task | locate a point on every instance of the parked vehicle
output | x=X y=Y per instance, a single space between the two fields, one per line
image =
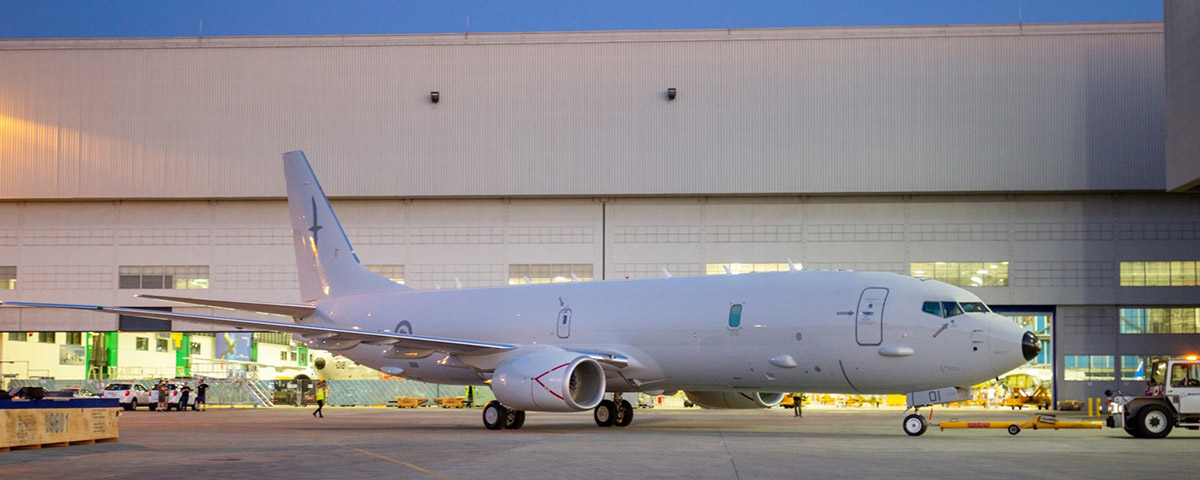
x=176 y=394
x=131 y=395
x=1172 y=399
x=72 y=392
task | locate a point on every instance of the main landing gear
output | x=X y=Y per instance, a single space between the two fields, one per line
x=496 y=417
x=915 y=424
x=617 y=412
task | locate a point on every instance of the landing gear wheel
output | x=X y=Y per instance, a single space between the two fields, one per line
x=915 y=425
x=1154 y=421
x=1014 y=429
x=624 y=414
x=606 y=413
x=514 y=419
x=494 y=415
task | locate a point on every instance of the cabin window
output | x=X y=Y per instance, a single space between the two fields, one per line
x=735 y=316
x=932 y=308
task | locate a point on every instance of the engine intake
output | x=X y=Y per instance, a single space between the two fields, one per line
x=735 y=400
x=551 y=381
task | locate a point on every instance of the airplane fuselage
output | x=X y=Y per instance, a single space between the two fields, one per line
x=845 y=332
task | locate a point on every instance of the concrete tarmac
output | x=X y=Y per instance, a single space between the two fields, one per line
x=384 y=443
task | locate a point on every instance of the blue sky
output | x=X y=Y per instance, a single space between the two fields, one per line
x=157 y=18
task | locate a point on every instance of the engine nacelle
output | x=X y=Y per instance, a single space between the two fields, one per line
x=738 y=400
x=551 y=381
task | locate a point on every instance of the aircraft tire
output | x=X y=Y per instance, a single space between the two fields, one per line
x=915 y=425
x=1154 y=421
x=605 y=413
x=514 y=419
x=494 y=415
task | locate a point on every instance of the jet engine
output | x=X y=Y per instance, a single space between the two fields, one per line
x=552 y=380
x=739 y=400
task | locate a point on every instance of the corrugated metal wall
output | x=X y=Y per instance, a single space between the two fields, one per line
x=1182 y=25
x=947 y=109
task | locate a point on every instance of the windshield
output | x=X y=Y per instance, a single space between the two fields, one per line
x=1159 y=373
x=117 y=386
x=975 y=307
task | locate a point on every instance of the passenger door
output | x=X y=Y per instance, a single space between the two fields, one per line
x=868 y=320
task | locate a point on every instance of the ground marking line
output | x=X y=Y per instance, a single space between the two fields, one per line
x=381 y=457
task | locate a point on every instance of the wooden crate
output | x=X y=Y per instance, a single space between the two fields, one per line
x=57 y=425
x=91 y=425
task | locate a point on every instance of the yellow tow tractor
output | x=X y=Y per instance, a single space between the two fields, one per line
x=1039 y=422
x=1020 y=383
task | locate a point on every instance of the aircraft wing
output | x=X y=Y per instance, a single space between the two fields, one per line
x=285 y=309
x=415 y=342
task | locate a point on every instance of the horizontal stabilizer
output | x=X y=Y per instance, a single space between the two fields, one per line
x=412 y=342
x=285 y=309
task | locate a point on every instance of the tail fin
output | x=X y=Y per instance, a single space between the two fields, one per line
x=325 y=260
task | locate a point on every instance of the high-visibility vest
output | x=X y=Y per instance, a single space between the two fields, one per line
x=320 y=393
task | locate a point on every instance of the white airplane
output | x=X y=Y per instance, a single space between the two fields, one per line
x=730 y=341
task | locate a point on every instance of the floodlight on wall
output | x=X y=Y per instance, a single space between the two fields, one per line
x=671 y=93
x=434 y=97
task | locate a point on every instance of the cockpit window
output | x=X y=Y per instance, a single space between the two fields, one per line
x=950 y=309
x=975 y=307
x=932 y=308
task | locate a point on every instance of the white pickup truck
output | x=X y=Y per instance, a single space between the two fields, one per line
x=1172 y=399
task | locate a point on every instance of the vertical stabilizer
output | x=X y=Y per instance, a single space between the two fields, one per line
x=325 y=260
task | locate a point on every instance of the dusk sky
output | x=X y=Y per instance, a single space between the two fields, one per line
x=161 y=18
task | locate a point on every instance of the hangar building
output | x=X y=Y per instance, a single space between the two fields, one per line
x=1028 y=163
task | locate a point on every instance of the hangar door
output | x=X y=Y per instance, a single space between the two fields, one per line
x=868 y=322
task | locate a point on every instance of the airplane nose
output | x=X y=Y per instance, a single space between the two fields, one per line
x=1030 y=346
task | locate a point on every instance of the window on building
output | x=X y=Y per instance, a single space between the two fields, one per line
x=1159 y=274
x=1159 y=320
x=292 y=356
x=548 y=272
x=178 y=277
x=195 y=349
x=1088 y=367
x=283 y=355
x=161 y=345
x=738 y=268
x=1136 y=367
x=74 y=338
x=47 y=337
x=274 y=338
x=18 y=336
x=143 y=344
x=963 y=274
x=394 y=273
x=8 y=278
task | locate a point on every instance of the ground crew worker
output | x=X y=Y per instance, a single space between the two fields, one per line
x=322 y=391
